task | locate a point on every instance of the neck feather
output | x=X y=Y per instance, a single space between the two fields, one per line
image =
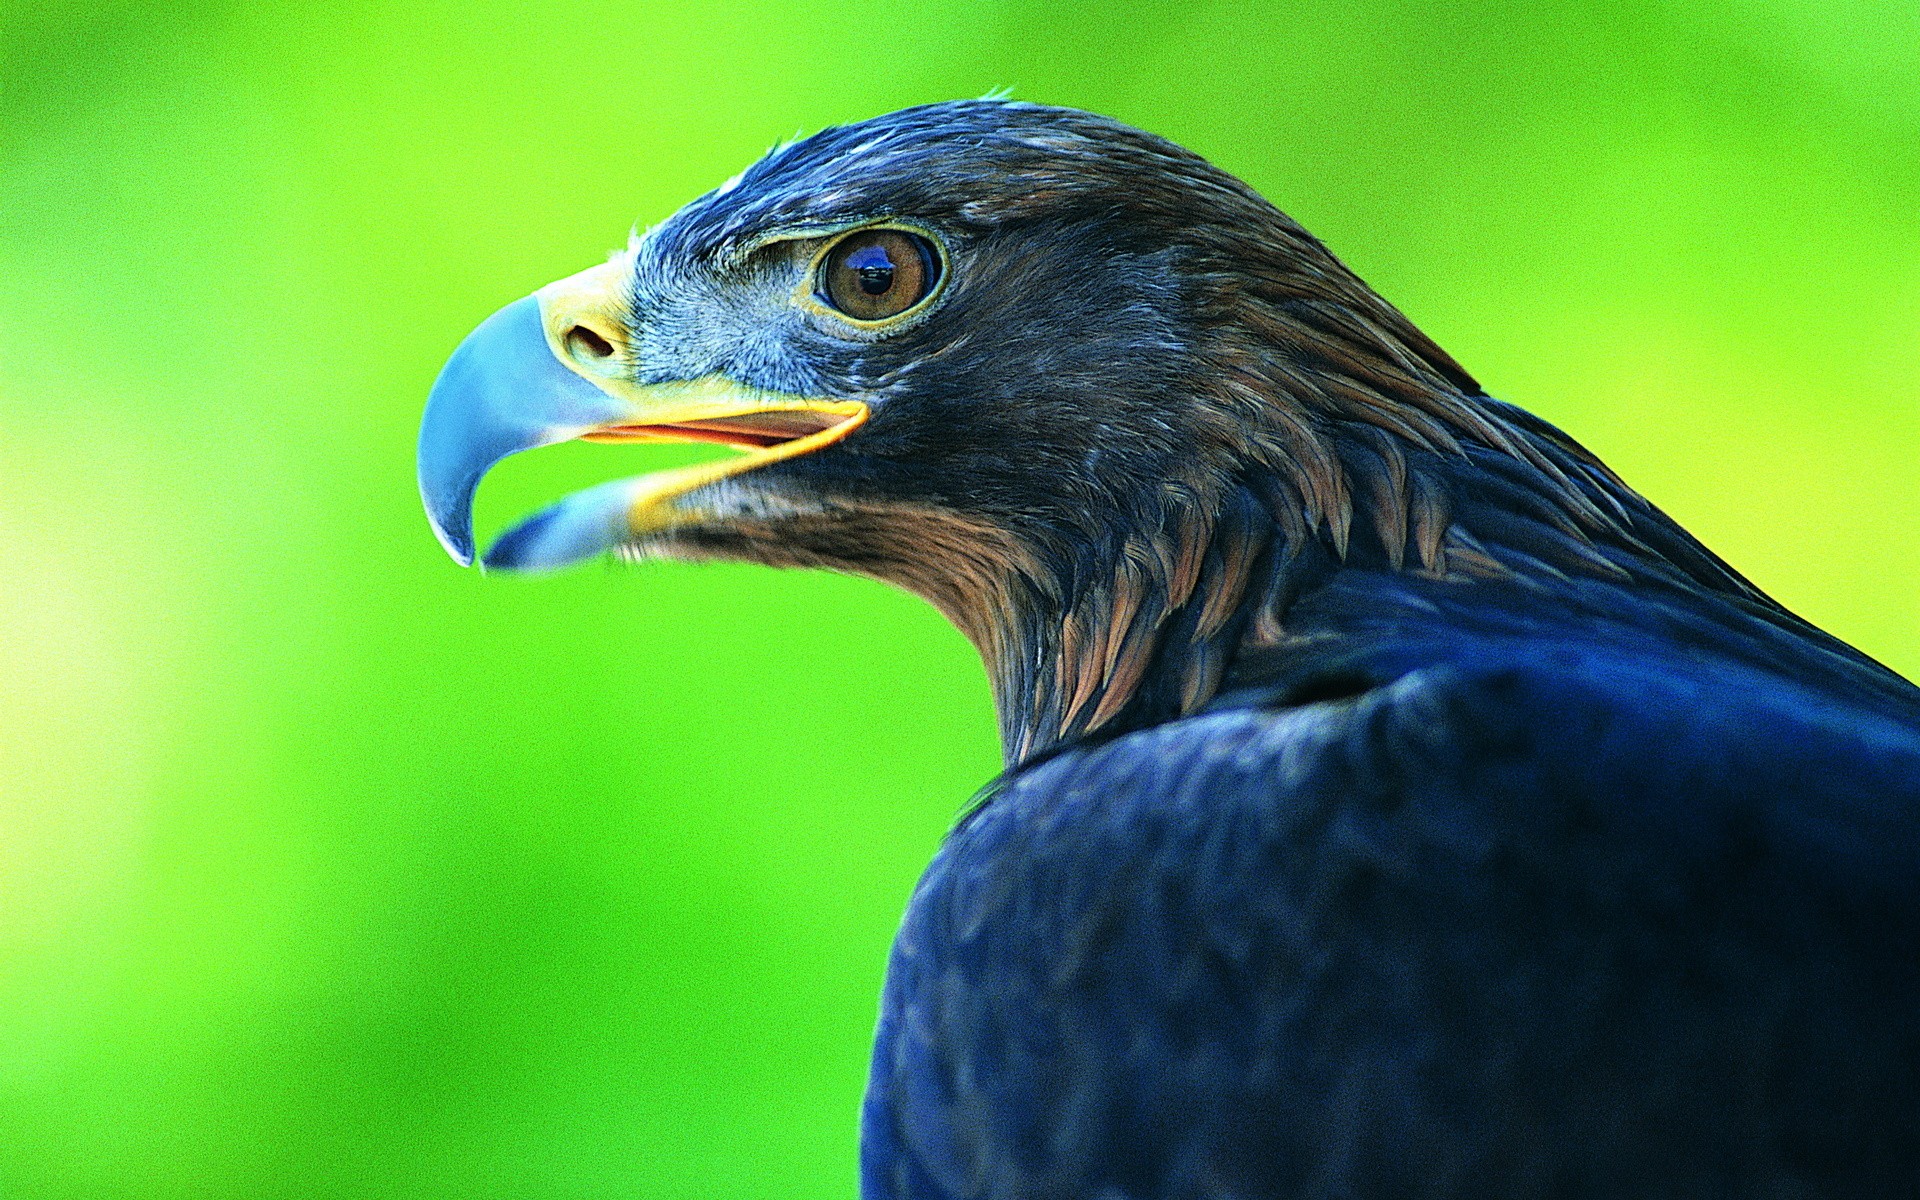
x=1326 y=434
x=1139 y=619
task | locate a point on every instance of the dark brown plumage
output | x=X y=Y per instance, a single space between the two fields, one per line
x=1397 y=804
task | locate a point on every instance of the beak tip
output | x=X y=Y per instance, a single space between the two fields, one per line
x=451 y=518
x=517 y=549
x=502 y=391
x=539 y=543
x=582 y=526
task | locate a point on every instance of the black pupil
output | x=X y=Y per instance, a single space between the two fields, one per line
x=873 y=268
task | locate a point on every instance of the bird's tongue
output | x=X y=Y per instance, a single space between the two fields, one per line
x=747 y=430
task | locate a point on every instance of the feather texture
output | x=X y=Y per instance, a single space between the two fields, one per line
x=1397 y=804
x=1462 y=912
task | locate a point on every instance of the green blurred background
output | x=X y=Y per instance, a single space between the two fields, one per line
x=329 y=870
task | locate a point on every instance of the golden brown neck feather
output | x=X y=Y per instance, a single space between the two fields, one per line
x=1068 y=659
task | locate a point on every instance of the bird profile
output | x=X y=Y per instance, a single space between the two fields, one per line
x=1396 y=803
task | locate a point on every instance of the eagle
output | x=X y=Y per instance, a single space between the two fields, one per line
x=1396 y=804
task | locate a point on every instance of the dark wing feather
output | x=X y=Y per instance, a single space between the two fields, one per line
x=1536 y=918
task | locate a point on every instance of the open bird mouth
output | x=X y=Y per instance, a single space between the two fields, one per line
x=615 y=514
x=508 y=388
x=763 y=435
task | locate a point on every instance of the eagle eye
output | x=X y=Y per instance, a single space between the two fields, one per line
x=874 y=274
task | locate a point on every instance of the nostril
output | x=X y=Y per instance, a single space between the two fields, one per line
x=585 y=343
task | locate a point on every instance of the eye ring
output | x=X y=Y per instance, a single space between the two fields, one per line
x=875 y=275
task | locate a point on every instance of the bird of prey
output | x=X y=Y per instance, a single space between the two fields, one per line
x=1396 y=804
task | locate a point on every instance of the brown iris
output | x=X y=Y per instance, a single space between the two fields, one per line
x=879 y=273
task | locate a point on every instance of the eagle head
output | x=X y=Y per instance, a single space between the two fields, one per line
x=1092 y=396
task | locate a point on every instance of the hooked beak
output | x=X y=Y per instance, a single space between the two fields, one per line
x=555 y=366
